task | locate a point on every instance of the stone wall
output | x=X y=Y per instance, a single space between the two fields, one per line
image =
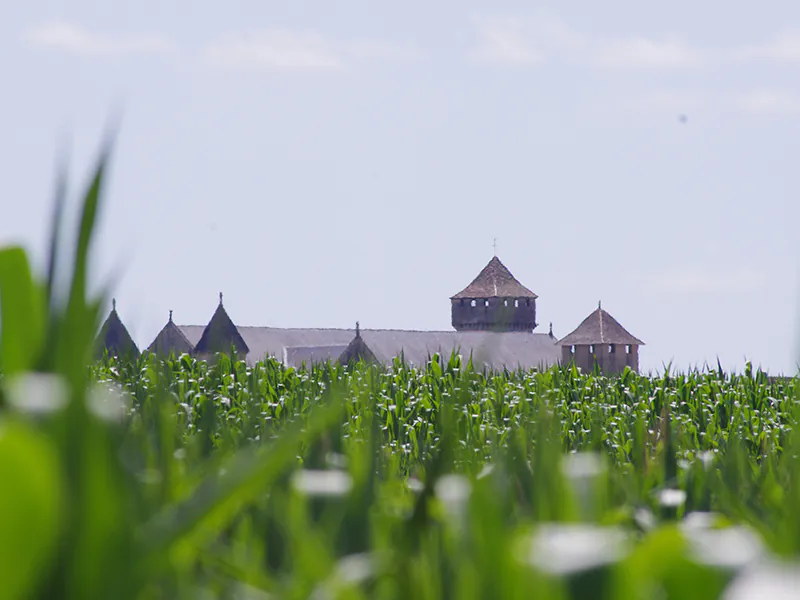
x=494 y=314
x=611 y=358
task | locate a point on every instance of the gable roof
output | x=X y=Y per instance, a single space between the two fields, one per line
x=114 y=336
x=489 y=348
x=357 y=350
x=495 y=281
x=170 y=340
x=220 y=334
x=600 y=328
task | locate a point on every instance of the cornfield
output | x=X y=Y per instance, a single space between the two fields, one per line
x=176 y=478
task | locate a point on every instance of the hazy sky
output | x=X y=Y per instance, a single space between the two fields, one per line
x=322 y=163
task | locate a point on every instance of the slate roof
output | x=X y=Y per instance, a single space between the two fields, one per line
x=495 y=281
x=494 y=349
x=170 y=340
x=114 y=337
x=297 y=355
x=219 y=334
x=600 y=328
x=357 y=351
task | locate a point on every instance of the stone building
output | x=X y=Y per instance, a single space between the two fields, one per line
x=601 y=339
x=493 y=321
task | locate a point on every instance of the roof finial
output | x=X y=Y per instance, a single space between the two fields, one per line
x=220 y=298
x=494 y=246
x=551 y=329
x=358 y=329
x=170 y=315
x=599 y=305
x=114 y=304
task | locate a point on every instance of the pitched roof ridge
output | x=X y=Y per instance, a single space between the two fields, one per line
x=221 y=317
x=602 y=337
x=170 y=328
x=171 y=324
x=600 y=327
x=114 y=327
x=357 y=349
x=379 y=329
x=495 y=280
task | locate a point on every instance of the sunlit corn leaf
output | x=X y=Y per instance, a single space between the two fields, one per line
x=22 y=313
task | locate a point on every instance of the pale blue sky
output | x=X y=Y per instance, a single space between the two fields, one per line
x=322 y=163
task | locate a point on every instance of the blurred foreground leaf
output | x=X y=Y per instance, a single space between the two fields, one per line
x=21 y=312
x=30 y=507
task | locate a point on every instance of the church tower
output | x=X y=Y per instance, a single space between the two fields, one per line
x=494 y=301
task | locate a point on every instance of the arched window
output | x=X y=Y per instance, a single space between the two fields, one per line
x=591 y=348
x=516 y=303
x=486 y=303
x=473 y=303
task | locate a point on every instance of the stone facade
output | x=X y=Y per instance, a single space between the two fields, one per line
x=611 y=358
x=493 y=314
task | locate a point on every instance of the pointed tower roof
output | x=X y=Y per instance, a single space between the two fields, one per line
x=114 y=336
x=220 y=333
x=600 y=328
x=170 y=340
x=357 y=350
x=495 y=281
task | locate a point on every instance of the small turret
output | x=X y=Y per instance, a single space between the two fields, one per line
x=602 y=340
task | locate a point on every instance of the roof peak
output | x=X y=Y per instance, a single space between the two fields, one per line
x=114 y=336
x=220 y=330
x=495 y=281
x=600 y=328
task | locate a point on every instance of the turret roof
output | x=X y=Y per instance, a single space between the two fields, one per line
x=600 y=328
x=495 y=281
x=114 y=336
x=357 y=350
x=171 y=340
x=220 y=331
